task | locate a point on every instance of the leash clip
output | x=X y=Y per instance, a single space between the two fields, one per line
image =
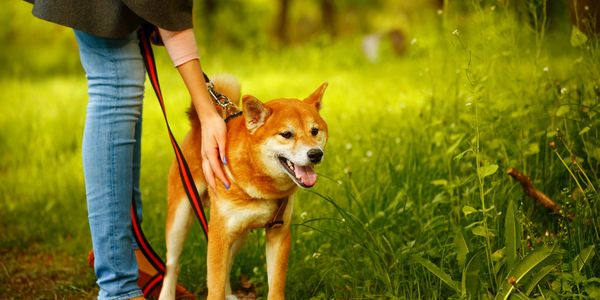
x=228 y=109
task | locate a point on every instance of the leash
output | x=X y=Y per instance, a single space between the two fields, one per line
x=187 y=180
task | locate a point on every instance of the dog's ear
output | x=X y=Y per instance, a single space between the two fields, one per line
x=255 y=112
x=316 y=97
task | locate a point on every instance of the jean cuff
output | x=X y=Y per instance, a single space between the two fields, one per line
x=127 y=296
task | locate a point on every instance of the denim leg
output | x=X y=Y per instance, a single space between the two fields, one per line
x=111 y=150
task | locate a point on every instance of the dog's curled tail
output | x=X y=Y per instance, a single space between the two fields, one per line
x=225 y=84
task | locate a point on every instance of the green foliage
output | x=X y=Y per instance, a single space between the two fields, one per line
x=544 y=258
x=413 y=201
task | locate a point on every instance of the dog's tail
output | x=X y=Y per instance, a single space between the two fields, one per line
x=225 y=84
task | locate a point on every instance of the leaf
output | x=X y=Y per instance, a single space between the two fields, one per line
x=512 y=238
x=439 y=273
x=470 y=276
x=440 y=182
x=537 y=278
x=462 y=248
x=467 y=210
x=486 y=170
x=542 y=257
x=533 y=149
x=593 y=291
x=563 y=110
x=454 y=146
x=584 y=130
x=498 y=255
x=578 y=38
x=459 y=156
x=482 y=231
x=583 y=258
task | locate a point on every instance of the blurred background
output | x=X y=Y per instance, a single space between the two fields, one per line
x=430 y=103
x=258 y=26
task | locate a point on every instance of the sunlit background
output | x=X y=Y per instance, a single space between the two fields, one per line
x=429 y=105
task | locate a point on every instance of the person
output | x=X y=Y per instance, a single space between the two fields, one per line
x=105 y=32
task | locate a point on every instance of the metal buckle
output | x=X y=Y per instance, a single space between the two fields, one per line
x=228 y=109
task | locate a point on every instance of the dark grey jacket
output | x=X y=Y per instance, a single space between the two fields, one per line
x=115 y=18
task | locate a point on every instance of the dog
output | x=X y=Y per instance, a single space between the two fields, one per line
x=272 y=149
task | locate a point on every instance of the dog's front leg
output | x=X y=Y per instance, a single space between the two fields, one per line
x=217 y=262
x=278 y=249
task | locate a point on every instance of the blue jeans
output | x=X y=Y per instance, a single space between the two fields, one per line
x=111 y=157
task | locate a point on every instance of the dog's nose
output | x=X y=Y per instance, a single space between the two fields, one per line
x=315 y=155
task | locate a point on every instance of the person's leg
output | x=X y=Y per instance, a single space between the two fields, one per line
x=115 y=73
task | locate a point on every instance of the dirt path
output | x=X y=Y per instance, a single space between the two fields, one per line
x=32 y=273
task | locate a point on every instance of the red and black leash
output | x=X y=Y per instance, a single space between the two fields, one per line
x=184 y=171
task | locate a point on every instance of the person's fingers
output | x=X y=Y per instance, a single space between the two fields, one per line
x=208 y=173
x=222 y=144
x=215 y=165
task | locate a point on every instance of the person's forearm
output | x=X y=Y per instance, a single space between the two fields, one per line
x=192 y=75
x=181 y=46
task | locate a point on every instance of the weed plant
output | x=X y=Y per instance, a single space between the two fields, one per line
x=413 y=200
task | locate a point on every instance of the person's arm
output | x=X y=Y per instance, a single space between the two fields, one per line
x=181 y=46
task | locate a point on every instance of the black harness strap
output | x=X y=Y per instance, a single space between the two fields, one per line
x=277 y=220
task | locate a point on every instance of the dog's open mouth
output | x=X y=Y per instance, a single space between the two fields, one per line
x=304 y=176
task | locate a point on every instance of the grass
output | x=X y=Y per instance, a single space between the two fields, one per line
x=412 y=201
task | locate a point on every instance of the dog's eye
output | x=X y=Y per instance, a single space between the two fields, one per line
x=286 y=134
x=314 y=131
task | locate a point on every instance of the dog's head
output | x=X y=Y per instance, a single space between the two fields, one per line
x=290 y=136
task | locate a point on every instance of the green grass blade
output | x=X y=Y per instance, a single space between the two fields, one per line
x=535 y=280
x=439 y=273
x=540 y=258
x=583 y=258
x=462 y=248
x=512 y=237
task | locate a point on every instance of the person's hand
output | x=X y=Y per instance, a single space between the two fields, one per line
x=214 y=133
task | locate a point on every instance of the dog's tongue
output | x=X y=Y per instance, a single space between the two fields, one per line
x=306 y=175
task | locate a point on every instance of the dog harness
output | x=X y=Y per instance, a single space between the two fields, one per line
x=277 y=220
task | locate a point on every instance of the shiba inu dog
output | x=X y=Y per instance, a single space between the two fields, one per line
x=271 y=151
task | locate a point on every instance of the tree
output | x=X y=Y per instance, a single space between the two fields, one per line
x=281 y=26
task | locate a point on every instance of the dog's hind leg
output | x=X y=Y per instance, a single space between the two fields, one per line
x=177 y=229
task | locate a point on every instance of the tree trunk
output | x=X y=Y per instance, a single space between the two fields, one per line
x=329 y=15
x=281 y=30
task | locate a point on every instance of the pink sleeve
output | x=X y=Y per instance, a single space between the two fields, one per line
x=181 y=45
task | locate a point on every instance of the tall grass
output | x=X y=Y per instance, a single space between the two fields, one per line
x=412 y=201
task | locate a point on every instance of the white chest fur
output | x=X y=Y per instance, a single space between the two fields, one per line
x=243 y=216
